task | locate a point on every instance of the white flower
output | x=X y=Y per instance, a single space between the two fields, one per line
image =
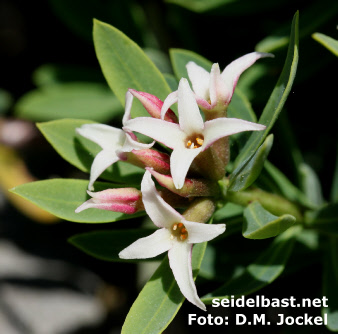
x=214 y=90
x=176 y=235
x=113 y=141
x=191 y=136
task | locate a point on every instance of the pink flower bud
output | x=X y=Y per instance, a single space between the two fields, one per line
x=153 y=105
x=191 y=187
x=125 y=200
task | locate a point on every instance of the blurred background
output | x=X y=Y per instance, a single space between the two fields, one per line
x=49 y=70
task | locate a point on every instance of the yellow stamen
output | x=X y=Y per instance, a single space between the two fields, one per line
x=175 y=227
x=189 y=143
x=183 y=236
x=199 y=141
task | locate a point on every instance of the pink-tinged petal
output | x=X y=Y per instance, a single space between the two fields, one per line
x=190 y=119
x=218 y=90
x=116 y=207
x=106 y=136
x=168 y=102
x=200 y=80
x=180 y=264
x=160 y=212
x=198 y=232
x=222 y=127
x=131 y=144
x=148 y=247
x=203 y=103
x=166 y=133
x=153 y=105
x=127 y=108
x=232 y=72
x=180 y=161
x=102 y=161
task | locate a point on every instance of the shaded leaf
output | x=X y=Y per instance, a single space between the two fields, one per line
x=107 y=244
x=274 y=104
x=252 y=169
x=261 y=224
x=80 y=151
x=62 y=196
x=327 y=41
x=267 y=267
x=69 y=100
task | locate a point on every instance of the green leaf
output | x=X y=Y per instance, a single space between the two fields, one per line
x=80 y=151
x=239 y=107
x=330 y=284
x=252 y=169
x=62 y=196
x=261 y=224
x=6 y=101
x=125 y=65
x=107 y=244
x=311 y=185
x=313 y=16
x=160 y=299
x=275 y=103
x=327 y=41
x=334 y=189
x=267 y=267
x=324 y=220
x=69 y=100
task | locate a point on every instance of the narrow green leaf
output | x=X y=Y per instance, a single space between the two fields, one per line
x=69 y=100
x=62 y=196
x=80 y=151
x=327 y=41
x=252 y=168
x=330 y=284
x=261 y=224
x=311 y=185
x=324 y=220
x=160 y=299
x=274 y=104
x=267 y=267
x=107 y=244
x=334 y=189
x=239 y=107
x=125 y=65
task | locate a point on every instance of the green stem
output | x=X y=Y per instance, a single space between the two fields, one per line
x=275 y=204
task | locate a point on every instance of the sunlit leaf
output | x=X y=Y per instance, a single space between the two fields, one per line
x=327 y=41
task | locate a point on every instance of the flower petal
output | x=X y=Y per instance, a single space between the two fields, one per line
x=198 y=232
x=200 y=79
x=147 y=247
x=168 y=102
x=102 y=161
x=218 y=90
x=159 y=211
x=106 y=136
x=222 y=127
x=166 y=133
x=180 y=161
x=130 y=144
x=180 y=263
x=127 y=108
x=189 y=115
x=233 y=71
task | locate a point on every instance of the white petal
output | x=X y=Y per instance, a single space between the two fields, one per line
x=180 y=161
x=189 y=115
x=102 y=161
x=127 y=108
x=218 y=90
x=131 y=144
x=200 y=80
x=166 y=133
x=168 y=102
x=180 y=264
x=147 y=247
x=222 y=127
x=106 y=136
x=159 y=211
x=198 y=232
x=232 y=72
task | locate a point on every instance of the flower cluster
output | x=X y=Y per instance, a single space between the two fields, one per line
x=191 y=171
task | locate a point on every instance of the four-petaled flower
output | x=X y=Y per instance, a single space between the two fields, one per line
x=214 y=90
x=113 y=141
x=191 y=136
x=176 y=235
